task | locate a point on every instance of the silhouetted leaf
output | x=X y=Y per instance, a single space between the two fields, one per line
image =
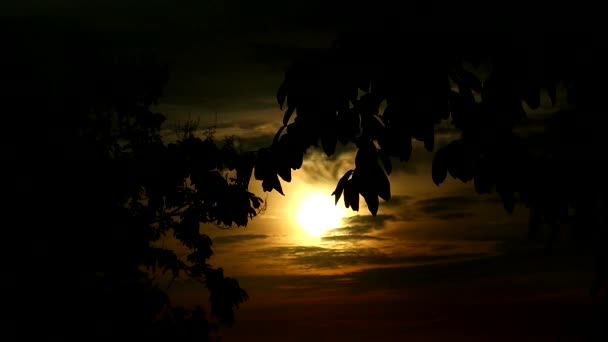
x=285 y=172
x=329 y=141
x=351 y=195
x=272 y=182
x=383 y=186
x=278 y=135
x=367 y=155
x=429 y=140
x=386 y=161
x=282 y=94
x=439 y=168
x=406 y=150
x=372 y=202
x=483 y=178
x=263 y=164
x=341 y=185
x=287 y=115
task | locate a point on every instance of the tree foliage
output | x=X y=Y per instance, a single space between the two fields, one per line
x=113 y=190
x=384 y=89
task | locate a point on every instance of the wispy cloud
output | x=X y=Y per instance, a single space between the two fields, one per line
x=358 y=228
x=351 y=237
x=398 y=201
x=232 y=239
x=369 y=220
x=333 y=258
x=454 y=215
x=320 y=169
x=446 y=203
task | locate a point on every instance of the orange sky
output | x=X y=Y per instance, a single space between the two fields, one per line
x=436 y=263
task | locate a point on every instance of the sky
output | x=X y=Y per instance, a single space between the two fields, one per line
x=435 y=263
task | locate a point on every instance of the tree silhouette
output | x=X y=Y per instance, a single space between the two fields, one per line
x=381 y=90
x=111 y=190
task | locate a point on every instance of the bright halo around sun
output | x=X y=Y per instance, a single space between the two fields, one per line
x=318 y=213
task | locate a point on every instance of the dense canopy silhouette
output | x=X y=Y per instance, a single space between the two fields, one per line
x=382 y=90
x=113 y=191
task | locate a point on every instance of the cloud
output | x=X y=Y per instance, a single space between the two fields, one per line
x=440 y=204
x=320 y=169
x=352 y=230
x=358 y=228
x=351 y=237
x=448 y=207
x=230 y=239
x=454 y=216
x=398 y=201
x=369 y=220
x=274 y=252
x=331 y=258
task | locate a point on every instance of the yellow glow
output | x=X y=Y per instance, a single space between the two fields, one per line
x=317 y=213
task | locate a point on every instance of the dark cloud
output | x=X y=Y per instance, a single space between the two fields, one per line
x=351 y=238
x=274 y=252
x=323 y=258
x=448 y=207
x=256 y=142
x=454 y=216
x=410 y=167
x=353 y=230
x=447 y=203
x=508 y=227
x=230 y=239
x=398 y=201
x=358 y=228
x=369 y=220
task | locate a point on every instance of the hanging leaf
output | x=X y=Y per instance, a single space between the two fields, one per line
x=367 y=154
x=439 y=168
x=278 y=135
x=429 y=138
x=386 y=162
x=329 y=141
x=284 y=171
x=383 y=186
x=341 y=185
x=406 y=149
x=287 y=116
x=272 y=182
x=371 y=199
x=263 y=164
x=282 y=94
x=351 y=195
x=244 y=169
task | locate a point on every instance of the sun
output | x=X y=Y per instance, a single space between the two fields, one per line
x=318 y=213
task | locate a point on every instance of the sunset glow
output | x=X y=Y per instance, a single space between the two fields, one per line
x=317 y=213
